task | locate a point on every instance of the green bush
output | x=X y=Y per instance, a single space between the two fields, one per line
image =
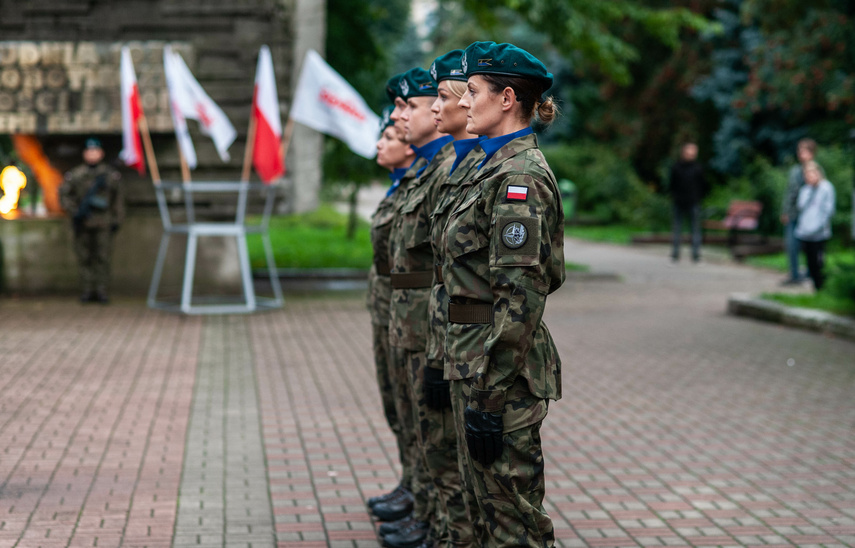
x=760 y=181
x=840 y=281
x=837 y=163
x=608 y=190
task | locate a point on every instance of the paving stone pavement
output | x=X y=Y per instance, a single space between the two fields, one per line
x=679 y=426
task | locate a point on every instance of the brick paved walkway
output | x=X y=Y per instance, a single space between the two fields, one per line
x=680 y=426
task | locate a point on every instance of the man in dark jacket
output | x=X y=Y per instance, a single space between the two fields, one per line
x=687 y=185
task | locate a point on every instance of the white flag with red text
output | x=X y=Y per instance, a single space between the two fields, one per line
x=132 y=151
x=188 y=100
x=324 y=101
x=267 y=148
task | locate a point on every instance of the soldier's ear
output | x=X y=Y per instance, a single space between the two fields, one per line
x=409 y=152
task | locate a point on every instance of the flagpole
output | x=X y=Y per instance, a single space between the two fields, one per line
x=142 y=125
x=250 y=145
x=286 y=136
x=185 y=169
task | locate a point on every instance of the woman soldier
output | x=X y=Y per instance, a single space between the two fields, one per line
x=395 y=155
x=502 y=254
x=413 y=261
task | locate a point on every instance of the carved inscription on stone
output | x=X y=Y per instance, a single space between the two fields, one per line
x=73 y=87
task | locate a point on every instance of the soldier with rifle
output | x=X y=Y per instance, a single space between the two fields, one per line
x=92 y=195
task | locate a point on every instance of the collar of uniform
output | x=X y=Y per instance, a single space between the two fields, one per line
x=462 y=147
x=430 y=150
x=491 y=146
x=396 y=176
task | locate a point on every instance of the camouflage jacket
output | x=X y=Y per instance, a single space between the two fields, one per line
x=410 y=253
x=106 y=207
x=504 y=247
x=379 y=286
x=447 y=194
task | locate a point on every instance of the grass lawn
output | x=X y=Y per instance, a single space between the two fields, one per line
x=816 y=301
x=615 y=234
x=313 y=240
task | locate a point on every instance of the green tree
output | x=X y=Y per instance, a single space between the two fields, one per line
x=589 y=32
x=360 y=34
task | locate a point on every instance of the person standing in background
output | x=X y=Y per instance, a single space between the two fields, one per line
x=688 y=186
x=93 y=197
x=813 y=229
x=805 y=152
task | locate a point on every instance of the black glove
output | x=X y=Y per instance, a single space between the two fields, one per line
x=114 y=228
x=483 y=435
x=437 y=390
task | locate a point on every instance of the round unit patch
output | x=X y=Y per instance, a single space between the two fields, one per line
x=514 y=235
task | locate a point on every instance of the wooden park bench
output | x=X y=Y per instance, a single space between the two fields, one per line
x=742 y=217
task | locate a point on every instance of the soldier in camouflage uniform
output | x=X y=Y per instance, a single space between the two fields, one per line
x=501 y=256
x=395 y=155
x=403 y=509
x=412 y=274
x=412 y=277
x=92 y=195
x=464 y=526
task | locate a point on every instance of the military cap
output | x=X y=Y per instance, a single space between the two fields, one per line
x=392 y=89
x=447 y=67
x=504 y=60
x=416 y=82
x=92 y=142
x=386 y=118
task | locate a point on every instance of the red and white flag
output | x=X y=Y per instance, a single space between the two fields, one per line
x=324 y=101
x=189 y=101
x=132 y=151
x=267 y=148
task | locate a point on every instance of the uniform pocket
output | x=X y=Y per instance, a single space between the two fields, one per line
x=464 y=349
x=465 y=233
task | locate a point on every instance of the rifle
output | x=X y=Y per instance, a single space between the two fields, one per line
x=86 y=205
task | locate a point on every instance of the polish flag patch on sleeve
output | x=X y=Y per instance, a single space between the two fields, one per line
x=517 y=192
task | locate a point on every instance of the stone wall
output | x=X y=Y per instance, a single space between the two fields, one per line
x=64 y=56
x=72 y=89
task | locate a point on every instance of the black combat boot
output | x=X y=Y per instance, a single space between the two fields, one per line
x=395 y=526
x=410 y=537
x=395 y=508
x=383 y=498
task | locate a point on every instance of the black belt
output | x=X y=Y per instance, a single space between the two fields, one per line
x=437 y=273
x=412 y=280
x=470 y=313
x=382 y=269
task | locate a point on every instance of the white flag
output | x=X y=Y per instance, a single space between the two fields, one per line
x=189 y=100
x=324 y=101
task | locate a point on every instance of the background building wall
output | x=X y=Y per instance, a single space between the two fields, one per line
x=219 y=40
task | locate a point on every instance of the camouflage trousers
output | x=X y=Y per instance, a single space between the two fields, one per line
x=389 y=396
x=420 y=483
x=506 y=498
x=437 y=439
x=93 y=248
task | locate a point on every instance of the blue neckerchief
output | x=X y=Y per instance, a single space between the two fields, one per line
x=491 y=146
x=396 y=176
x=429 y=150
x=462 y=147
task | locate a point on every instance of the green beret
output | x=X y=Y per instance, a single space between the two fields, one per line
x=392 y=87
x=504 y=60
x=92 y=142
x=447 y=67
x=416 y=82
x=386 y=118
